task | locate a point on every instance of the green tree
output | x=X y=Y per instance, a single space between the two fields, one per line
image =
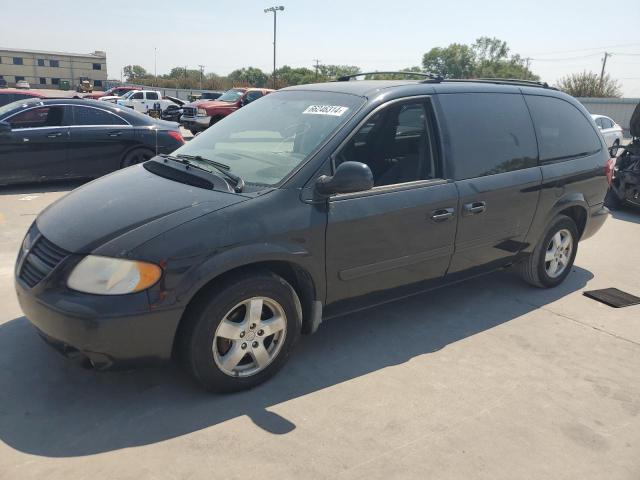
x=134 y=72
x=492 y=60
x=330 y=72
x=251 y=76
x=588 y=84
x=454 y=61
x=287 y=75
x=487 y=57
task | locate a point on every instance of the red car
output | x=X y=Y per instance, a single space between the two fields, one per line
x=119 y=91
x=11 y=95
x=200 y=115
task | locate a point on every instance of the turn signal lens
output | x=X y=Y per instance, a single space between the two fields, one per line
x=113 y=276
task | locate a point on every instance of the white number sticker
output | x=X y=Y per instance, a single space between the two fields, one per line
x=333 y=110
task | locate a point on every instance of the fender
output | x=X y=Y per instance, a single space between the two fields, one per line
x=238 y=256
x=545 y=214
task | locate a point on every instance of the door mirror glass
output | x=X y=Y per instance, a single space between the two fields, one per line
x=349 y=177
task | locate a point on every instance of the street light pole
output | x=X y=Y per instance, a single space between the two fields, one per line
x=155 y=64
x=275 y=11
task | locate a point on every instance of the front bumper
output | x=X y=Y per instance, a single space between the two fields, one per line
x=107 y=332
x=197 y=123
x=597 y=216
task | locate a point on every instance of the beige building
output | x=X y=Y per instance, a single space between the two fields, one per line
x=46 y=69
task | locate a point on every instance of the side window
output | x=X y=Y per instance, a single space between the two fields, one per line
x=94 y=116
x=38 y=117
x=563 y=131
x=606 y=123
x=489 y=133
x=396 y=144
x=54 y=63
x=599 y=122
x=137 y=96
x=253 y=95
x=152 y=96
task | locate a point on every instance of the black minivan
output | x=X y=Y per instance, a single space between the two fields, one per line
x=314 y=201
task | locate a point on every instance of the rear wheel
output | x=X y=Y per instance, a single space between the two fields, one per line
x=239 y=336
x=553 y=257
x=136 y=156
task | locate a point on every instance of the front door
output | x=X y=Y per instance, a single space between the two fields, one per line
x=37 y=147
x=397 y=237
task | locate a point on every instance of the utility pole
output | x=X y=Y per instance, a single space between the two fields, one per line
x=201 y=74
x=317 y=67
x=604 y=63
x=155 y=64
x=185 y=77
x=275 y=11
x=526 y=73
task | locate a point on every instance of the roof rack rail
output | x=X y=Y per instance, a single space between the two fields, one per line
x=429 y=76
x=504 y=81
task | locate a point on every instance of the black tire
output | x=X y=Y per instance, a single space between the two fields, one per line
x=197 y=334
x=533 y=268
x=135 y=156
x=194 y=132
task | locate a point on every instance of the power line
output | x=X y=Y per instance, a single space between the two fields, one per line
x=587 y=49
x=565 y=58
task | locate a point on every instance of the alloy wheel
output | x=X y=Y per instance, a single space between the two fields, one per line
x=558 y=254
x=249 y=337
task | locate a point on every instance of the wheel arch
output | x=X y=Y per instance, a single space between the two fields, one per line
x=293 y=273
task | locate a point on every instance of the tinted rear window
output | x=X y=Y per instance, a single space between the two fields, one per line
x=563 y=131
x=489 y=133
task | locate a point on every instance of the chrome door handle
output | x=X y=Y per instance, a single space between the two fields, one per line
x=474 y=208
x=442 y=214
x=54 y=135
x=114 y=134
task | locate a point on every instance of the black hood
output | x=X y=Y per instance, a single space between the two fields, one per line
x=122 y=210
x=634 y=124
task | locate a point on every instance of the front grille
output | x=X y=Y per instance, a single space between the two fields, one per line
x=189 y=111
x=40 y=261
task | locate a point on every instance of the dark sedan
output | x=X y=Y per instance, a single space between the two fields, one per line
x=67 y=138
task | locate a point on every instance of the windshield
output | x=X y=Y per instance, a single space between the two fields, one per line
x=264 y=141
x=230 y=96
x=128 y=94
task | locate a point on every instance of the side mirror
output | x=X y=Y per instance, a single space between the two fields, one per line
x=5 y=130
x=349 y=177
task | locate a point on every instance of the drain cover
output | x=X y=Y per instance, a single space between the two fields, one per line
x=613 y=297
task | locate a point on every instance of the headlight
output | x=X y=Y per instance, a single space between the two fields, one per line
x=202 y=112
x=112 y=276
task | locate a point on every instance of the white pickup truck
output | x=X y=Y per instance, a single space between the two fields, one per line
x=143 y=100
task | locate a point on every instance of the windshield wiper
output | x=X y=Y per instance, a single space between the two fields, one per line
x=238 y=183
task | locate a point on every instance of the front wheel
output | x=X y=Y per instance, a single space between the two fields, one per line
x=553 y=257
x=240 y=335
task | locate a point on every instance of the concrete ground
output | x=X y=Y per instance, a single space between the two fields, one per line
x=490 y=379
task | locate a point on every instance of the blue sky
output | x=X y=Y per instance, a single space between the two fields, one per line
x=560 y=36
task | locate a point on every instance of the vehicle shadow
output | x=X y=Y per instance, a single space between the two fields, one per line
x=31 y=188
x=51 y=407
x=628 y=213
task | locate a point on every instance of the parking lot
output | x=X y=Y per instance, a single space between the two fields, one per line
x=488 y=379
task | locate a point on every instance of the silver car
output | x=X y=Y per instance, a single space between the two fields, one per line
x=611 y=131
